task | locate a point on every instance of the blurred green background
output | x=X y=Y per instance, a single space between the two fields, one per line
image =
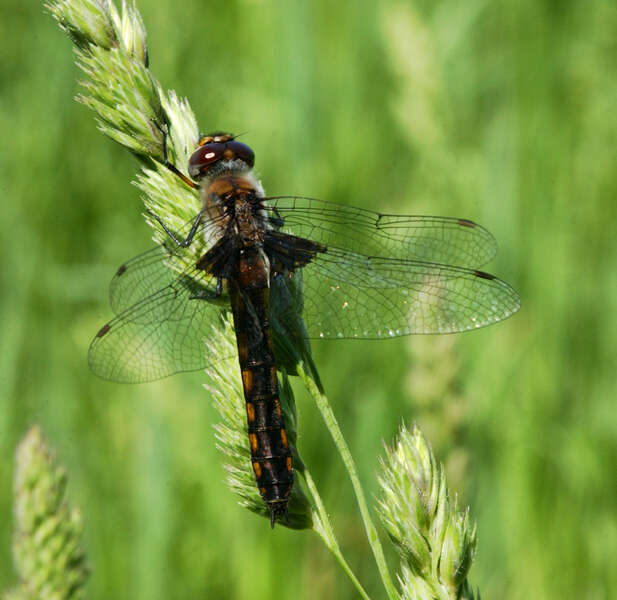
x=501 y=112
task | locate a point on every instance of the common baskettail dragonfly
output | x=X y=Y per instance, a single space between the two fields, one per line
x=363 y=274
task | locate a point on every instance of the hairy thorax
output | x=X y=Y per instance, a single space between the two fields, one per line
x=234 y=202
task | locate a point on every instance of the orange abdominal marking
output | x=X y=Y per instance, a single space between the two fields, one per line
x=284 y=438
x=247 y=379
x=288 y=464
x=254 y=442
x=242 y=348
x=257 y=469
x=250 y=412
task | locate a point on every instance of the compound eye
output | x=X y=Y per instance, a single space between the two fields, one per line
x=242 y=151
x=204 y=157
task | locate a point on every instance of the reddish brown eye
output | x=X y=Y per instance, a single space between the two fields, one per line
x=242 y=151
x=204 y=156
x=214 y=148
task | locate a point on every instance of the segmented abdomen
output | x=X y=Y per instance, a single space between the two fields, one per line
x=270 y=453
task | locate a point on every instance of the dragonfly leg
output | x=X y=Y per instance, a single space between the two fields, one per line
x=168 y=164
x=208 y=295
x=174 y=236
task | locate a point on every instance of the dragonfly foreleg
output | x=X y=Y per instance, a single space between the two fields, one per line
x=168 y=164
x=174 y=236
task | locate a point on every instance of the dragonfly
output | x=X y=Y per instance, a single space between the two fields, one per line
x=360 y=274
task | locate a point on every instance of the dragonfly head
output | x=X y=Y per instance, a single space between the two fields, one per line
x=217 y=148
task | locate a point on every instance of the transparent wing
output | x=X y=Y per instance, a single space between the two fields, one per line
x=162 y=334
x=159 y=267
x=348 y=295
x=379 y=276
x=424 y=238
x=142 y=276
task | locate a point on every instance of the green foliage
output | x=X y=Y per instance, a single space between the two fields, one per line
x=436 y=541
x=47 y=540
x=499 y=112
x=112 y=52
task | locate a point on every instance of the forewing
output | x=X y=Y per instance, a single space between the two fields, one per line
x=347 y=295
x=142 y=276
x=161 y=335
x=424 y=238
